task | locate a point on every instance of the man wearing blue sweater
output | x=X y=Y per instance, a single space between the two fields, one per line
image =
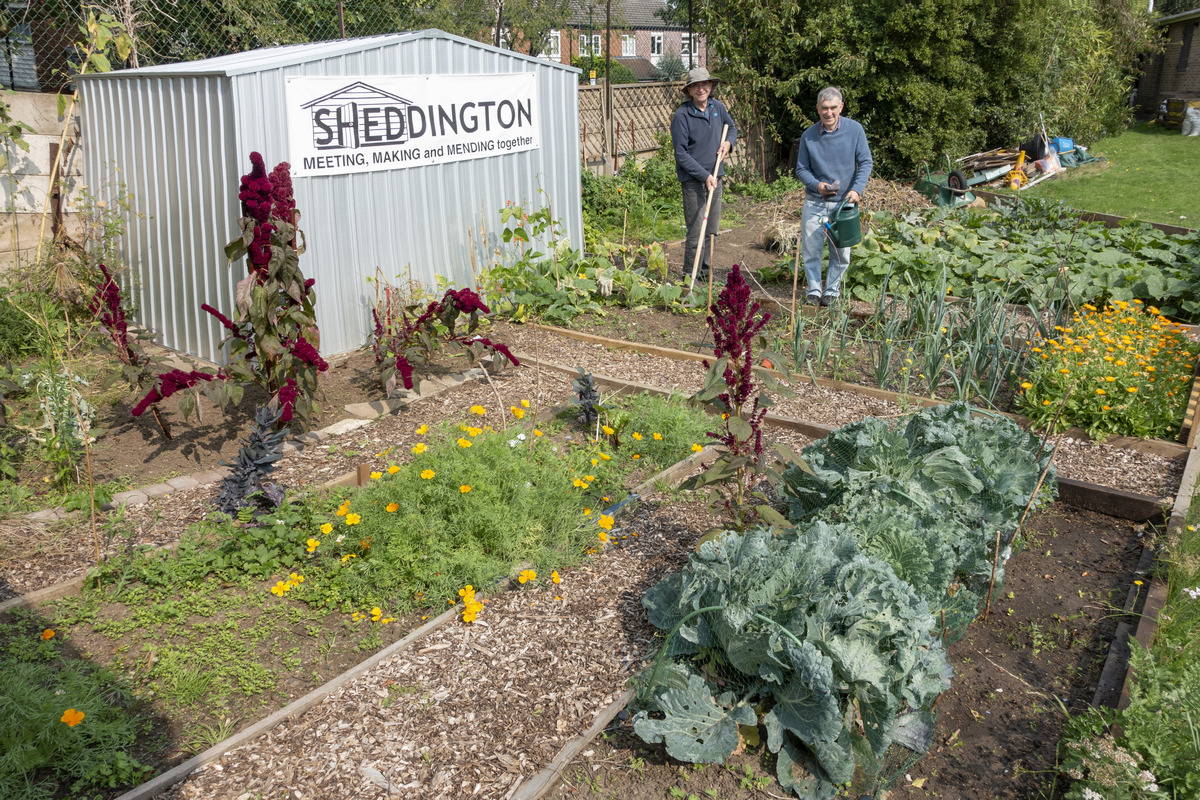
x=696 y=136
x=833 y=162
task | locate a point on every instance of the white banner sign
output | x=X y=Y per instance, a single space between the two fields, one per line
x=366 y=124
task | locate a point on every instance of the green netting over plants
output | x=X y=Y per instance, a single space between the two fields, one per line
x=832 y=634
x=929 y=498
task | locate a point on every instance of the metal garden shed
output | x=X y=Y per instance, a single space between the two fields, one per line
x=398 y=144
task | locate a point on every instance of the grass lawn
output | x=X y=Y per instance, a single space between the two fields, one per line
x=1151 y=174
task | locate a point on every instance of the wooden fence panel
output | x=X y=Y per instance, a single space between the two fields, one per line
x=640 y=112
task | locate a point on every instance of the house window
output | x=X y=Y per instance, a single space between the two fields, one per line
x=656 y=47
x=628 y=45
x=688 y=46
x=589 y=45
x=1185 y=49
x=553 y=48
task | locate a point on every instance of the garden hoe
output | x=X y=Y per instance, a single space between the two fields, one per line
x=704 y=223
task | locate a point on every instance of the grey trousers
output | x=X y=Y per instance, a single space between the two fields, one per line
x=695 y=195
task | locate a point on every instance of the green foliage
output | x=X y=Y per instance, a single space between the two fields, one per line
x=917 y=76
x=838 y=655
x=761 y=191
x=562 y=283
x=18 y=332
x=928 y=498
x=1100 y=767
x=244 y=486
x=40 y=755
x=641 y=203
x=1040 y=252
x=618 y=73
x=670 y=67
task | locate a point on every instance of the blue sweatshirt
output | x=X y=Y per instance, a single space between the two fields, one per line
x=696 y=136
x=825 y=157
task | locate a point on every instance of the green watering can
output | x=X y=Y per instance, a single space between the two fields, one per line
x=843 y=226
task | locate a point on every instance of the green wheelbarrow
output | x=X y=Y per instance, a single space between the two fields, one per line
x=952 y=187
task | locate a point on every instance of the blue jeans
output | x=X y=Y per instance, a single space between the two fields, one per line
x=816 y=213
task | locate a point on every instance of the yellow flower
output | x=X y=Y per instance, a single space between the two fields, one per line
x=343 y=509
x=605 y=457
x=427 y=474
x=1109 y=378
x=347 y=557
x=467 y=591
x=526 y=575
x=607 y=429
x=637 y=437
x=313 y=544
x=1131 y=389
x=589 y=477
x=480 y=410
x=376 y=613
x=466 y=487
x=392 y=507
x=595 y=461
x=279 y=588
x=464 y=442
x=554 y=577
x=353 y=519
x=1045 y=402
x=1064 y=371
x=517 y=412
x=524 y=404
x=603 y=537
x=1026 y=385
x=48 y=634
x=697 y=447
x=376 y=476
x=424 y=429
x=419 y=448
x=587 y=512
x=606 y=522
x=472 y=431
x=636 y=456
x=327 y=528
x=536 y=432
x=1100 y=392
x=658 y=437
x=72 y=717
x=1106 y=408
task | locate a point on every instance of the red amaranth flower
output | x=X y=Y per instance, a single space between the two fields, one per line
x=224 y=320
x=287 y=400
x=168 y=384
x=255 y=191
x=466 y=300
x=498 y=347
x=106 y=305
x=406 y=371
x=304 y=351
x=283 y=202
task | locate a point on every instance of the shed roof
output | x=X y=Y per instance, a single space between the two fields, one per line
x=285 y=55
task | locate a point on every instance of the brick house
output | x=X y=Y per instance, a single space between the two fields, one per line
x=640 y=37
x=1175 y=72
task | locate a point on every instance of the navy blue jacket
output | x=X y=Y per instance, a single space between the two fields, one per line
x=696 y=136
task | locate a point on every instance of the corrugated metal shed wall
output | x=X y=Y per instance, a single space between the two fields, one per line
x=170 y=143
x=182 y=141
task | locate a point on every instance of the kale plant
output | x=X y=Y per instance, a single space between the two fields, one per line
x=728 y=388
x=587 y=398
x=927 y=498
x=245 y=486
x=838 y=656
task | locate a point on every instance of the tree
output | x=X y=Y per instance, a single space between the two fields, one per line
x=526 y=24
x=927 y=76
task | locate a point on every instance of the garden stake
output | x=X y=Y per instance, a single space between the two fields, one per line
x=474 y=270
x=704 y=222
x=499 y=402
x=992 y=582
x=795 y=280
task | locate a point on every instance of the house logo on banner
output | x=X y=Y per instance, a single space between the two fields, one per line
x=346 y=125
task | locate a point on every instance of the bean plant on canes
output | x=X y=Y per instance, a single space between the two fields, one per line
x=730 y=388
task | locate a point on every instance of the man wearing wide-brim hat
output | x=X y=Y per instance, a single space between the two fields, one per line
x=696 y=135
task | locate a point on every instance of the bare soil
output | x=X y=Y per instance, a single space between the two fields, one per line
x=998 y=726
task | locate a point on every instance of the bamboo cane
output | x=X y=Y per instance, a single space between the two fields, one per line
x=704 y=222
x=712 y=243
x=795 y=279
